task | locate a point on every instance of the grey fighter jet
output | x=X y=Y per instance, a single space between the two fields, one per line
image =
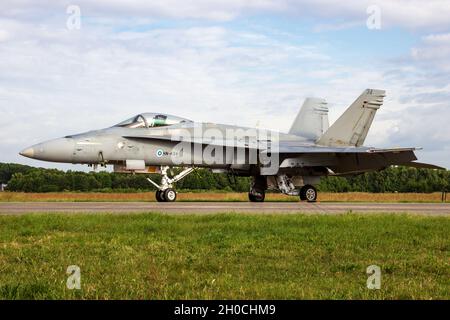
x=290 y=162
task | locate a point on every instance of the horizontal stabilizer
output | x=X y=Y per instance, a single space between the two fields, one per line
x=422 y=165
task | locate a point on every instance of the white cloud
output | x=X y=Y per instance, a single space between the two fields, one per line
x=431 y=14
x=434 y=50
x=4 y=35
x=66 y=81
x=437 y=39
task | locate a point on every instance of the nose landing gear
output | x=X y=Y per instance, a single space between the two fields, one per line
x=166 y=192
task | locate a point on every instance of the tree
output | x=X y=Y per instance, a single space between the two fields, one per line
x=394 y=179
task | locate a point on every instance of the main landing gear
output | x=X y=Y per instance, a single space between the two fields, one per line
x=258 y=189
x=256 y=196
x=308 y=193
x=284 y=184
x=166 y=192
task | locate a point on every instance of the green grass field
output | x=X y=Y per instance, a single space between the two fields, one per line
x=227 y=256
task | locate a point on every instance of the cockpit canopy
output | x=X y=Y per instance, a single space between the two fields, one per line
x=151 y=120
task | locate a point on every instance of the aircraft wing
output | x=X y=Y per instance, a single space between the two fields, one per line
x=297 y=154
x=283 y=147
x=350 y=160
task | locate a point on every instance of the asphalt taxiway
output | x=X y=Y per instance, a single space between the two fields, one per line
x=16 y=208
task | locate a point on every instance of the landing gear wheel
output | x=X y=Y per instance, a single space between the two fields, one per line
x=308 y=193
x=256 y=196
x=159 y=196
x=170 y=195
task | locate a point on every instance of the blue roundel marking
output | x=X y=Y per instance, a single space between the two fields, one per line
x=159 y=153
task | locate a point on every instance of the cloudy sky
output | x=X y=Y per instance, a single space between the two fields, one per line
x=228 y=61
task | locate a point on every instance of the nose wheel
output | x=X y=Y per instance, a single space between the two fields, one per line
x=165 y=192
x=159 y=196
x=170 y=195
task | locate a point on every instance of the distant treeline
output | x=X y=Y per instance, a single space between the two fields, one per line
x=394 y=179
x=30 y=179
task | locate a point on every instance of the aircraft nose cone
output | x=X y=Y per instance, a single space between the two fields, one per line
x=28 y=152
x=57 y=150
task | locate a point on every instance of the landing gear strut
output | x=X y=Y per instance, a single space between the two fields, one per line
x=166 y=192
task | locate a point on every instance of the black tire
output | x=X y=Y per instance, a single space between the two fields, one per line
x=308 y=193
x=302 y=194
x=256 y=197
x=170 y=195
x=159 y=196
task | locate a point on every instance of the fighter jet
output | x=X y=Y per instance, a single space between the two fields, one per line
x=292 y=163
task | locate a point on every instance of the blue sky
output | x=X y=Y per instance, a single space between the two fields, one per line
x=237 y=62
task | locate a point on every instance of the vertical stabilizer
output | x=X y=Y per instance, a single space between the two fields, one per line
x=312 y=120
x=353 y=125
